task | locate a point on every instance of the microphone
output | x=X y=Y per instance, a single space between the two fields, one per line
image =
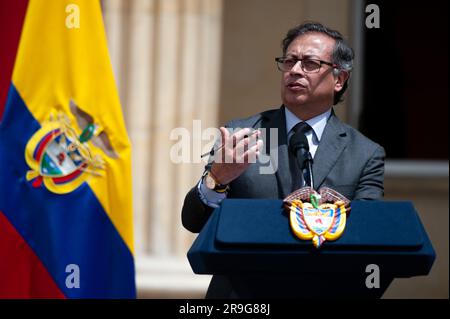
x=300 y=148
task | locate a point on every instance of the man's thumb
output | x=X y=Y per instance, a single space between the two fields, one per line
x=224 y=134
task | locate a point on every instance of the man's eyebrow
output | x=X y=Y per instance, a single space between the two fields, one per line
x=310 y=56
x=303 y=56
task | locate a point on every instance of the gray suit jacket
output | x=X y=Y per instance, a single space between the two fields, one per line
x=345 y=160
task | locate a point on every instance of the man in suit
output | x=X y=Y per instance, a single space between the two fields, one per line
x=315 y=68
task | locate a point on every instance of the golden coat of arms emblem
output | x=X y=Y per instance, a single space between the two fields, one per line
x=317 y=216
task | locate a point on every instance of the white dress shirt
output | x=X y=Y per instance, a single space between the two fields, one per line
x=317 y=123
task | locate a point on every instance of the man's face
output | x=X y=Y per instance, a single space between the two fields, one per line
x=310 y=94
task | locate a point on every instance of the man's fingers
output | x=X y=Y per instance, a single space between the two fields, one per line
x=224 y=134
x=234 y=146
x=246 y=142
x=241 y=134
x=252 y=154
x=222 y=145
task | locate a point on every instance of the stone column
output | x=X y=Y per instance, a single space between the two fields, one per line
x=199 y=94
x=166 y=59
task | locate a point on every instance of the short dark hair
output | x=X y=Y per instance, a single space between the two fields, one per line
x=342 y=54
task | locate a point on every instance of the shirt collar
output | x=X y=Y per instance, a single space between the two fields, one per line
x=317 y=123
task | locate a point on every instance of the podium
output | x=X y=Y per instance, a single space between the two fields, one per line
x=249 y=243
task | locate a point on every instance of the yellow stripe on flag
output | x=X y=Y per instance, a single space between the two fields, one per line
x=60 y=59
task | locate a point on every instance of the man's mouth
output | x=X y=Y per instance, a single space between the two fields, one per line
x=296 y=86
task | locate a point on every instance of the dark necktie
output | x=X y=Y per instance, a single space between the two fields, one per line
x=296 y=170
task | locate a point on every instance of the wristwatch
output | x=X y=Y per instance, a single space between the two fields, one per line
x=211 y=182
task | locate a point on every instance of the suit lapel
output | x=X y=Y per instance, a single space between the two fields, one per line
x=283 y=175
x=332 y=143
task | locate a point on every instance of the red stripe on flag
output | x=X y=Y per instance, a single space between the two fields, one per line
x=22 y=275
x=12 y=14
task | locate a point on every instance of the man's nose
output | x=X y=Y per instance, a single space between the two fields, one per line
x=297 y=68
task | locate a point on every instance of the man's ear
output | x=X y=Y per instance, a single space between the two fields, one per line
x=340 y=80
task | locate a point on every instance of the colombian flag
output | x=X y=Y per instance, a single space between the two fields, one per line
x=65 y=162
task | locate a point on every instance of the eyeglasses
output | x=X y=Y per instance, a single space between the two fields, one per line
x=308 y=65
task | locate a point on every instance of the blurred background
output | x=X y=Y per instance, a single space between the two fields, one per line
x=177 y=61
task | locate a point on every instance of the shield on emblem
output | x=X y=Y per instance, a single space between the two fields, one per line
x=56 y=159
x=319 y=220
